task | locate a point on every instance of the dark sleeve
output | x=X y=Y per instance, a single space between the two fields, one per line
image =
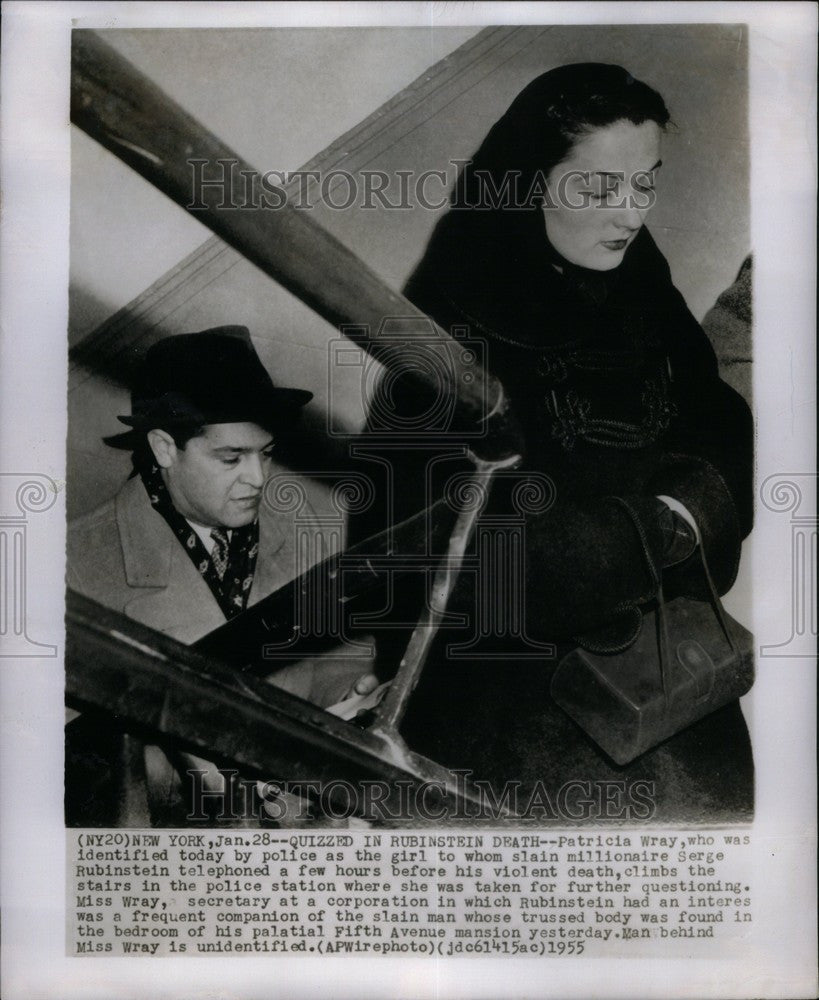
x=708 y=463
x=714 y=422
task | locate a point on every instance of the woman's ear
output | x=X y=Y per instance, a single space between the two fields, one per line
x=163 y=447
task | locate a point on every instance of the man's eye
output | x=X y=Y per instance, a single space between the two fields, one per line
x=268 y=455
x=230 y=461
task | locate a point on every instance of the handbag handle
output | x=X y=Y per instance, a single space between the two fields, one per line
x=657 y=578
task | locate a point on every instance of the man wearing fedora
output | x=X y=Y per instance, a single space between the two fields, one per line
x=188 y=542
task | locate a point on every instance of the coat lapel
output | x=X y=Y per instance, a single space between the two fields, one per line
x=272 y=565
x=169 y=593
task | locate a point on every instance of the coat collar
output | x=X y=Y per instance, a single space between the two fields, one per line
x=149 y=546
x=146 y=538
x=270 y=573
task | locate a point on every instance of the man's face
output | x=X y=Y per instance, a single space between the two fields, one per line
x=216 y=480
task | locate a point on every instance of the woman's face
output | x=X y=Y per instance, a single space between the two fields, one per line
x=598 y=197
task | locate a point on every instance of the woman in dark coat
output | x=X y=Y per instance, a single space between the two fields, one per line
x=544 y=256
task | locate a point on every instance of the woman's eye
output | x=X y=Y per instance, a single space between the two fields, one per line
x=606 y=198
x=644 y=182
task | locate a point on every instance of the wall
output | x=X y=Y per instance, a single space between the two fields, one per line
x=277 y=97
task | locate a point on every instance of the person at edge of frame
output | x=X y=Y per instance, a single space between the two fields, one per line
x=544 y=258
x=187 y=544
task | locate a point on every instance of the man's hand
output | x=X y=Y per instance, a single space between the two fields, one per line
x=330 y=678
x=364 y=685
x=365 y=694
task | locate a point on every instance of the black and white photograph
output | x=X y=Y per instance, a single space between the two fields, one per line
x=432 y=400
x=519 y=421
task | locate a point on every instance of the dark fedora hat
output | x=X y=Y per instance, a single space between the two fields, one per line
x=211 y=377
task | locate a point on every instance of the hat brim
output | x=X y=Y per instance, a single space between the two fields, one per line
x=127 y=441
x=280 y=406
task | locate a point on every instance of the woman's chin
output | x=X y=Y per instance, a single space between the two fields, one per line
x=606 y=259
x=601 y=258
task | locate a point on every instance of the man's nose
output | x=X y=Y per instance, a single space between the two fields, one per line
x=253 y=471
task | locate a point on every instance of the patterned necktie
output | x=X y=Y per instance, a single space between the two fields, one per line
x=219 y=553
x=229 y=570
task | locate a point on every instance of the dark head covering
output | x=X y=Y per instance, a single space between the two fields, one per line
x=212 y=377
x=490 y=262
x=548 y=117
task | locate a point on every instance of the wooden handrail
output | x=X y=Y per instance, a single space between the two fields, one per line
x=119 y=107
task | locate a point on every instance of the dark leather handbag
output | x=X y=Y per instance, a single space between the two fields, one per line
x=688 y=659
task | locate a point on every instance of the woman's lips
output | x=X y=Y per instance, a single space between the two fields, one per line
x=615 y=244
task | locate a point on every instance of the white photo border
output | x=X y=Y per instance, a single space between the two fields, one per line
x=34 y=134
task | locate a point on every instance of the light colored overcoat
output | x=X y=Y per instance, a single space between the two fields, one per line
x=125 y=555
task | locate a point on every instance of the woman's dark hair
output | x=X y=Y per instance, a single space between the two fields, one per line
x=543 y=123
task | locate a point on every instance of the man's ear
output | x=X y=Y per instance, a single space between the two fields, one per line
x=163 y=447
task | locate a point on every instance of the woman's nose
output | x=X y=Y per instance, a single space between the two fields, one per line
x=629 y=217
